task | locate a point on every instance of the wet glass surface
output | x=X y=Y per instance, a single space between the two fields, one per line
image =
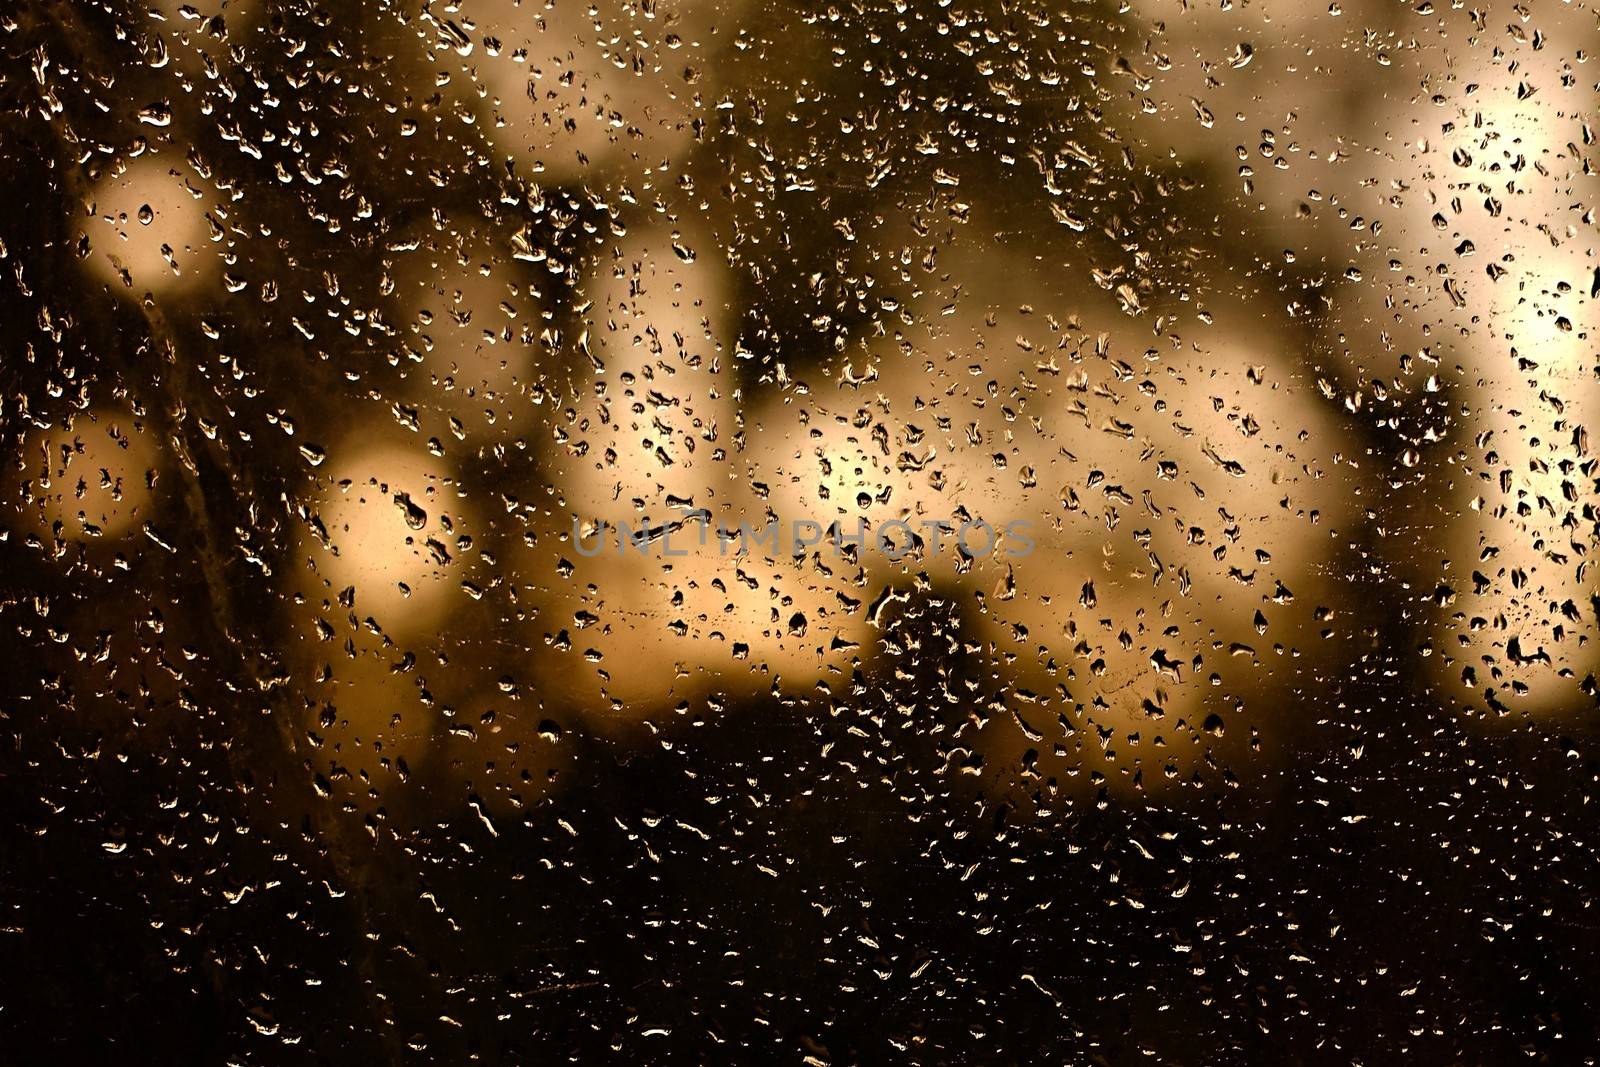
x=818 y=533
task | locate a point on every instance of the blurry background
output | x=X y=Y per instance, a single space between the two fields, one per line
x=325 y=324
